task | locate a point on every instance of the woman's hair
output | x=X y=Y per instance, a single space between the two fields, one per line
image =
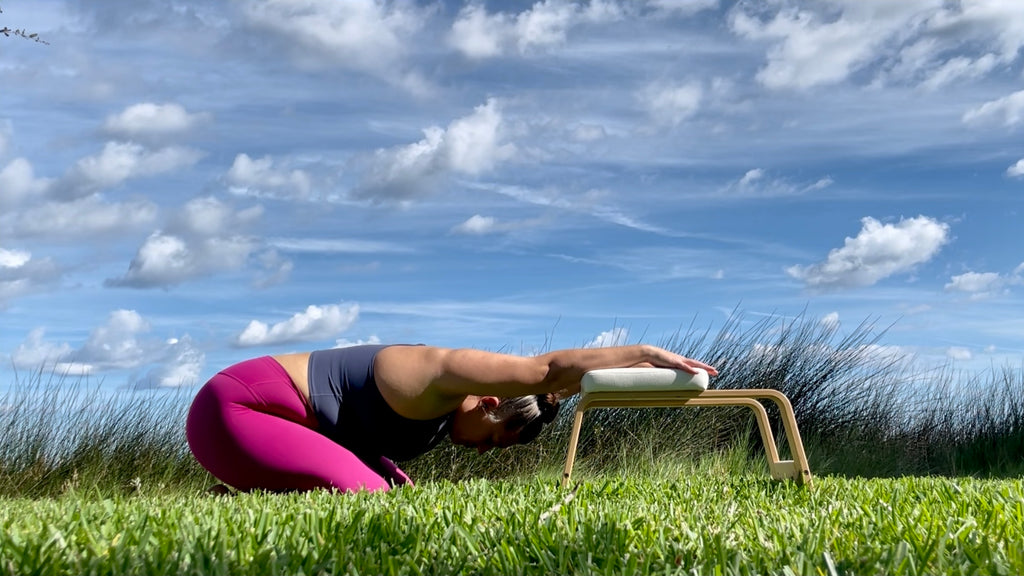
x=527 y=414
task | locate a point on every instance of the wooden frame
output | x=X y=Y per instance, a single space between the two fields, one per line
x=796 y=469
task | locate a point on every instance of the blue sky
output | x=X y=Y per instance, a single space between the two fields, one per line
x=184 y=185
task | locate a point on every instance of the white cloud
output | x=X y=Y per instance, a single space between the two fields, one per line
x=470 y=145
x=261 y=178
x=208 y=216
x=980 y=285
x=120 y=161
x=203 y=238
x=831 y=319
x=20 y=274
x=167 y=259
x=477 y=34
x=35 y=353
x=958 y=353
x=1008 y=111
x=181 y=365
x=85 y=217
x=18 y=182
x=116 y=344
x=372 y=37
x=148 y=121
x=119 y=343
x=671 y=104
x=544 y=25
x=343 y=343
x=977 y=284
x=613 y=337
x=1017 y=170
x=476 y=225
x=14 y=258
x=684 y=7
x=315 y=323
x=877 y=252
x=811 y=50
x=757 y=183
x=927 y=42
x=751 y=176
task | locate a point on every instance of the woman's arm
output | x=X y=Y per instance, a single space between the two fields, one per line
x=442 y=372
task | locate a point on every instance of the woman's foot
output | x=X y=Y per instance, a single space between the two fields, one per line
x=218 y=490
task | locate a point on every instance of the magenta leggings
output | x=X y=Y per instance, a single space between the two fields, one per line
x=250 y=427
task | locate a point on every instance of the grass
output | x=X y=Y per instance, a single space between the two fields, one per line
x=917 y=472
x=706 y=523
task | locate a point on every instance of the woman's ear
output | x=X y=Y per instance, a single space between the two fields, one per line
x=489 y=403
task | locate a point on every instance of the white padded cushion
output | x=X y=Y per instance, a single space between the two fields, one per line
x=643 y=380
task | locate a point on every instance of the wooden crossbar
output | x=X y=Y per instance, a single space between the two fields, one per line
x=796 y=469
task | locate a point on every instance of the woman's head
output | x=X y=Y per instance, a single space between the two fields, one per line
x=487 y=421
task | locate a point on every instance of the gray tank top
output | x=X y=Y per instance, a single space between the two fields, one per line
x=351 y=411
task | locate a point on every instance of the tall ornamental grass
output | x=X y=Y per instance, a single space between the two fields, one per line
x=862 y=409
x=60 y=432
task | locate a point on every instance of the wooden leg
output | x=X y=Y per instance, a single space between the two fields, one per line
x=570 y=456
x=802 y=469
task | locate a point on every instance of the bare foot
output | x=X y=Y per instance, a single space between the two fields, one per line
x=218 y=490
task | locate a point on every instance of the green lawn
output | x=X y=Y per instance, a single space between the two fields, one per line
x=706 y=524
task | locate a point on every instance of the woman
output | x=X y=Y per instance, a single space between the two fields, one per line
x=336 y=418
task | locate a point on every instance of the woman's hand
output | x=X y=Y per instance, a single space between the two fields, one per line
x=393 y=474
x=661 y=358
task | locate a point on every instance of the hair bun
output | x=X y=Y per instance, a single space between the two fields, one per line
x=548 y=405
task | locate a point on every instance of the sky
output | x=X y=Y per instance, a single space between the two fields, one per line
x=188 y=184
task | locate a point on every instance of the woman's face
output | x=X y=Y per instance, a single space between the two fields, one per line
x=472 y=425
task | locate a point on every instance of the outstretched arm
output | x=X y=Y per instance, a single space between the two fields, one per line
x=443 y=372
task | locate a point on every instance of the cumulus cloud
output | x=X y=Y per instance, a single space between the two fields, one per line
x=18 y=182
x=118 y=162
x=981 y=285
x=1007 y=111
x=371 y=37
x=85 y=217
x=165 y=259
x=315 y=323
x=344 y=343
x=20 y=274
x=477 y=34
x=470 y=145
x=671 y=104
x=202 y=238
x=959 y=353
x=119 y=343
x=1017 y=170
x=261 y=178
x=181 y=365
x=877 y=252
x=147 y=121
x=35 y=352
x=831 y=319
x=825 y=43
x=613 y=337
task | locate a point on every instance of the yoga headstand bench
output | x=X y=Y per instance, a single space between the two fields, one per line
x=664 y=387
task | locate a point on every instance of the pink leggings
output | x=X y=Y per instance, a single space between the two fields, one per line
x=250 y=427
